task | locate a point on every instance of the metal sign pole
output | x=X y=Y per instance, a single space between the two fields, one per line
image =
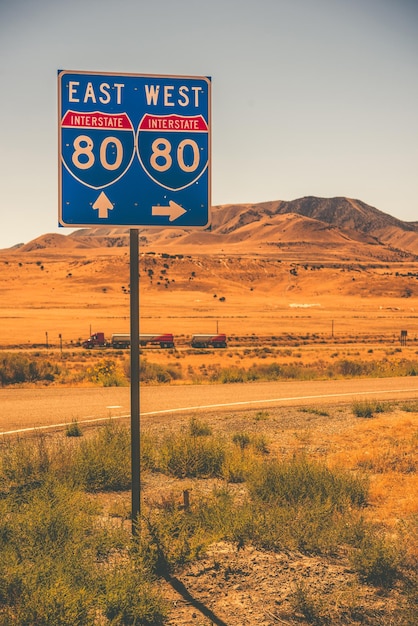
x=135 y=419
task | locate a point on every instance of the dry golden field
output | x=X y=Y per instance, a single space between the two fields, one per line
x=70 y=292
x=287 y=307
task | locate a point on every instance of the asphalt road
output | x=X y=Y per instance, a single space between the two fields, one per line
x=26 y=409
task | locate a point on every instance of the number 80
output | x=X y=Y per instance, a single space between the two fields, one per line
x=83 y=147
x=161 y=151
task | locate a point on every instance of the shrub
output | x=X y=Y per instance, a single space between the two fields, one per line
x=102 y=463
x=303 y=601
x=300 y=481
x=188 y=456
x=198 y=428
x=377 y=561
x=300 y=504
x=312 y=528
x=59 y=567
x=350 y=369
x=260 y=445
x=261 y=416
x=411 y=606
x=172 y=537
x=149 y=455
x=106 y=373
x=238 y=465
x=241 y=439
x=45 y=558
x=57 y=604
x=24 y=463
x=231 y=375
x=19 y=368
x=367 y=408
x=73 y=430
x=152 y=372
x=130 y=598
x=271 y=371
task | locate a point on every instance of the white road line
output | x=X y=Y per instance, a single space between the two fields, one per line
x=63 y=425
x=245 y=402
x=211 y=406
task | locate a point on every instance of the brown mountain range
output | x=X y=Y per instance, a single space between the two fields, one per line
x=316 y=227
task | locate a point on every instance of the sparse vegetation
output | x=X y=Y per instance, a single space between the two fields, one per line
x=59 y=562
x=73 y=429
x=368 y=408
x=377 y=560
x=21 y=368
x=106 y=373
x=112 y=369
x=153 y=372
x=187 y=455
x=64 y=555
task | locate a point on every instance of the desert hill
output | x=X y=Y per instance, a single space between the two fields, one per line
x=329 y=227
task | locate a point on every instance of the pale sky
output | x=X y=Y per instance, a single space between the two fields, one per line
x=309 y=97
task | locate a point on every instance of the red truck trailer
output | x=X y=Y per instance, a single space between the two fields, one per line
x=164 y=341
x=209 y=341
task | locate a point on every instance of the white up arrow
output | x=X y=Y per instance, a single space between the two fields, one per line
x=172 y=211
x=103 y=205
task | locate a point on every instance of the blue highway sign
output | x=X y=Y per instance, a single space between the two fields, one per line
x=134 y=150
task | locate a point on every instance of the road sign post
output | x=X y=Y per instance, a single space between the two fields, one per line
x=134 y=150
x=135 y=402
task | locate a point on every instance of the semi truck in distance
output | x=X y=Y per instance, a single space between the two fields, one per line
x=166 y=340
x=123 y=341
x=209 y=341
x=98 y=340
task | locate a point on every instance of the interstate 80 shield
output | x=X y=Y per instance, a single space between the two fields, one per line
x=173 y=149
x=97 y=147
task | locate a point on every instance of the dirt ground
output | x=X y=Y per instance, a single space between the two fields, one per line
x=247 y=587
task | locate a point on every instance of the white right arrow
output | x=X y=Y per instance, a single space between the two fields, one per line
x=103 y=205
x=172 y=211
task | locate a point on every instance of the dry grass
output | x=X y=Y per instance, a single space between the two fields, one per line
x=386 y=447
